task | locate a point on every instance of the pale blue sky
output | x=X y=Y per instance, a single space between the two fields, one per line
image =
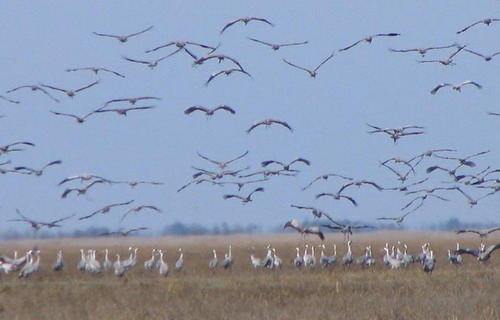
x=366 y=84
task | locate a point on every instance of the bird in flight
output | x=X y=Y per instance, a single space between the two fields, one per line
x=304 y=230
x=275 y=46
x=151 y=63
x=123 y=233
x=482 y=233
x=83 y=177
x=132 y=101
x=399 y=160
x=245 y=20
x=37 y=225
x=222 y=164
x=217 y=175
x=80 y=191
x=396 y=133
x=96 y=70
x=136 y=183
x=241 y=184
x=317 y=213
x=485 y=57
x=106 y=209
x=422 y=196
x=226 y=72
x=336 y=196
x=77 y=118
x=398 y=220
x=135 y=210
x=473 y=201
x=124 y=111
x=182 y=45
x=219 y=57
x=486 y=21
x=7 y=148
x=423 y=51
x=123 y=39
x=464 y=161
x=428 y=153
x=267 y=173
x=401 y=176
x=326 y=176
x=198 y=181
x=286 y=166
x=346 y=229
x=71 y=93
x=457 y=87
x=358 y=183
x=246 y=199
x=482 y=254
x=447 y=61
x=313 y=72
x=267 y=123
x=34 y=88
x=370 y=38
x=209 y=112
x=37 y=172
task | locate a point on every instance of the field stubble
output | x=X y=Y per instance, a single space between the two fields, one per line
x=468 y=291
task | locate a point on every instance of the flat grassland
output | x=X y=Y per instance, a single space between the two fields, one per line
x=467 y=291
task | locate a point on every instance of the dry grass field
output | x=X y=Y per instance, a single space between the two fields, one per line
x=468 y=291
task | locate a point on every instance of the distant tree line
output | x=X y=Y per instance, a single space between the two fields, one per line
x=175 y=229
x=183 y=229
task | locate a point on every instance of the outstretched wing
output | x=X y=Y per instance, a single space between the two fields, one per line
x=466 y=28
x=230 y=23
x=137 y=33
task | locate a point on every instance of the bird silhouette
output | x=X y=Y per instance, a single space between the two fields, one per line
x=245 y=20
x=457 y=87
x=313 y=72
x=123 y=233
x=227 y=72
x=244 y=200
x=209 y=112
x=37 y=172
x=106 y=209
x=267 y=123
x=423 y=51
x=369 y=39
x=486 y=21
x=122 y=39
x=70 y=92
x=222 y=164
x=275 y=46
x=34 y=88
x=96 y=70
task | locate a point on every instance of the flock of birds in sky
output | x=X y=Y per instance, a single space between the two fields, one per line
x=456 y=166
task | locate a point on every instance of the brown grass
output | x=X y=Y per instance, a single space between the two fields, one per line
x=469 y=291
